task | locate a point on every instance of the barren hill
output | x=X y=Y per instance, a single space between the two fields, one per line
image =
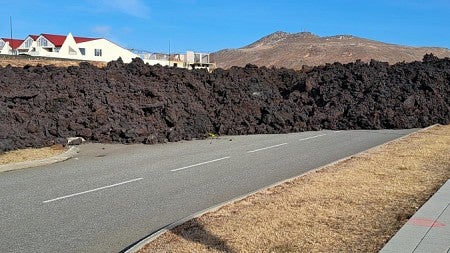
x=288 y=50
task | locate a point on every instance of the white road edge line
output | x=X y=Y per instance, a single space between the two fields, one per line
x=93 y=190
x=260 y=149
x=198 y=164
x=312 y=137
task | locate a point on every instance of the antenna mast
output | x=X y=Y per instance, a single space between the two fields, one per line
x=10 y=26
x=11 y=35
x=169 y=53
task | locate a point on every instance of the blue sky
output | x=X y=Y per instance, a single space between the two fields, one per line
x=211 y=25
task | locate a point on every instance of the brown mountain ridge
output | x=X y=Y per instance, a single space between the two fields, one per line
x=293 y=50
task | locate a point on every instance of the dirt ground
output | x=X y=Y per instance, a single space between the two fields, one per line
x=353 y=206
x=30 y=154
x=17 y=61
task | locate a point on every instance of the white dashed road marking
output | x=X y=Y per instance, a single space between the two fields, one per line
x=93 y=190
x=260 y=149
x=174 y=170
x=198 y=164
x=312 y=137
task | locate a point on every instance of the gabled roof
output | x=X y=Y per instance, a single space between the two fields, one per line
x=23 y=45
x=13 y=43
x=58 y=40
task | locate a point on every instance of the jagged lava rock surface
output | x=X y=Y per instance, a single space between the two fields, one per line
x=138 y=103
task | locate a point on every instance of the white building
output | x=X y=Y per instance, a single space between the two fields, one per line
x=9 y=46
x=70 y=47
x=27 y=44
x=190 y=60
x=96 y=49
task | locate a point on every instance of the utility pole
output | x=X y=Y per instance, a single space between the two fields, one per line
x=169 y=53
x=11 y=35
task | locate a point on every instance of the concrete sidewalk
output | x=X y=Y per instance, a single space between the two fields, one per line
x=428 y=230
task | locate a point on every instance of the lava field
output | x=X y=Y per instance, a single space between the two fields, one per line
x=138 y=103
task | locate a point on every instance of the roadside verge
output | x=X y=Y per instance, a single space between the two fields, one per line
x=356 y=204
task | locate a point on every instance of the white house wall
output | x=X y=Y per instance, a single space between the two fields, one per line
x=154 y=62
x=42 y=51
x=48 y=42
x=69 y=48
x=110 y=51
x=6 y=49
x=163 y=62
x=23 y=48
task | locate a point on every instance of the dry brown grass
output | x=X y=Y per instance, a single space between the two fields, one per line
x=16 y=62
x=30 y=154
x=353 y=206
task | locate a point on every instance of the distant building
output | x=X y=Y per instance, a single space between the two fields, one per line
x=27 y=44
x=190 y=60
x=9 y=46
x=70 y=47
x=96 y=49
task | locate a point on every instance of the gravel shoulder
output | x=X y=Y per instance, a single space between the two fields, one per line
x=355 y=205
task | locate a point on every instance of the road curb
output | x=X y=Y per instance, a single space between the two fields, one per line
x=29 y=164
x=141 y=243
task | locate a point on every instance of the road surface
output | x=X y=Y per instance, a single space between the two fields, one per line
x=110 y=196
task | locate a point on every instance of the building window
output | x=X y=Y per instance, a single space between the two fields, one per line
x=82 y=51
x=72 y=51
x=28 y=43
x=98 y=52
x=42 y=42
x=2 y=44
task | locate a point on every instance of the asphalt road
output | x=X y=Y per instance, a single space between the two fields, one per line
x=109 y=196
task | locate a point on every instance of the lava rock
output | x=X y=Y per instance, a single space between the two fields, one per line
x=139 y=103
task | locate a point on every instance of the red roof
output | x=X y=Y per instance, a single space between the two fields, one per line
x=82 y=39
x=34 y=37
x=14 y=43
x=58 y=40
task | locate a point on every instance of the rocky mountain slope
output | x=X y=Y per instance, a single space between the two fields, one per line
x=283 y=49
